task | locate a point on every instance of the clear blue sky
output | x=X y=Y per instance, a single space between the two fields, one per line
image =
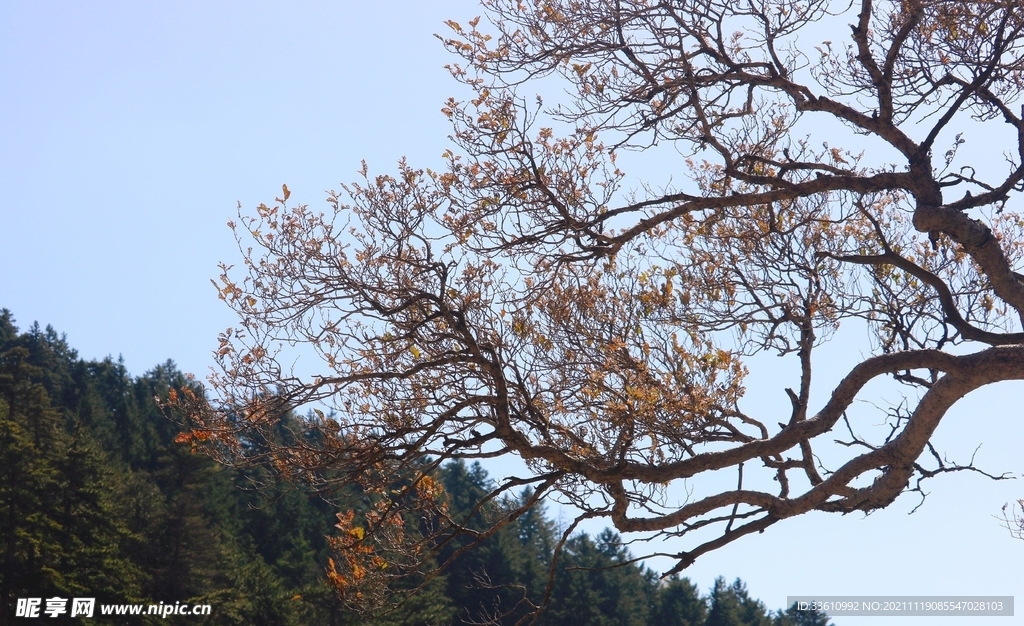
x=130 y=130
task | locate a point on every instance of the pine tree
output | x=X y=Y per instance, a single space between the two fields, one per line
x=597 y=586
x=89 y=527
x=482 y=581
x=536 y=538
x=794 y=617
x=113 y=385
x=26 y=477
x=678 y=603
x=183 y=548
x=63 y=531
x=724 y=609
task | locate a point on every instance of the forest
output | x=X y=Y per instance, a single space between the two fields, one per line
x=100 y=496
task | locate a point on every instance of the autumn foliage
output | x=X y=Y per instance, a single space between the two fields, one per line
x=796 y=168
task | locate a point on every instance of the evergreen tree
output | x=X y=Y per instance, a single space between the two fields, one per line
x=536 y=538
x=481 y=582
x=578 y=597
x=678 y=603
x=26 y=480
x=793 y=617
x=113 y=386
x=89 y=527
x=51 y=356
x=183 y=546
x=731 y=605
x=64 y=535
x=596 y=586
x=429 y=606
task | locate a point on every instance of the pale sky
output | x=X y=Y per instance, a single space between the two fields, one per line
x=130 y=130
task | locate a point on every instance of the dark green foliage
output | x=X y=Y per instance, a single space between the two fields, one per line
x=597 y=585
x=63 y=531
x=485 y=579
x=97 y=500
x=793 y=617
x=678 y=603
x=536 y=539
x=730 y=605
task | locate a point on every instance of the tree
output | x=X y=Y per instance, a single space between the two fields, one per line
x=731 y=605
x=531 y=298
x=597 y=584
x=679 y=604
x=62 y=526
x=793 y=616
x=482 y=580
x=536 y=535
x=28 y=430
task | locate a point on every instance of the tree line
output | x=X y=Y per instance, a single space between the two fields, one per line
x=100 y=496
